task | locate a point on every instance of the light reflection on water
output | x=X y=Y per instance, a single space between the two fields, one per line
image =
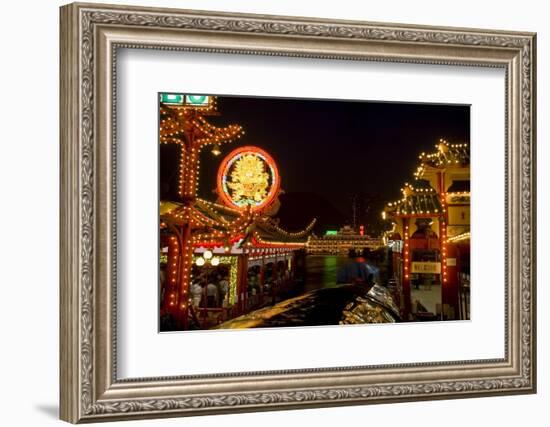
x=321 y=270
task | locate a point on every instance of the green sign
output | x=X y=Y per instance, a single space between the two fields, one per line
x=197 y=100
x=171 y=98
x=331 y=233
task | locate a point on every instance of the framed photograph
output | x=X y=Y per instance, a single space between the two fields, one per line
x=266 y=212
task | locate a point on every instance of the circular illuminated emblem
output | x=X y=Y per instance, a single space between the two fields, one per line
x=248 y=176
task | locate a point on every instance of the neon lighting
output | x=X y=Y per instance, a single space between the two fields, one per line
x=248 y=176
x=171 y=98
x=197 y=99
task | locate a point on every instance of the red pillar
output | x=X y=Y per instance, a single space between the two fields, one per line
x=262 y=277
x=444 y=274
x=446 y=299
x=185 y=275
x=397 y=293
x=242 y=293
x=275 y=275
x=170 y=300
x=450 y=290
x=189 y=166
x=406 y=270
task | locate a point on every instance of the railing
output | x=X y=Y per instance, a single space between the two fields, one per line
x=208 y=317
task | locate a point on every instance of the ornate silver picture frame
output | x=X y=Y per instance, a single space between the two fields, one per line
x=91 y=390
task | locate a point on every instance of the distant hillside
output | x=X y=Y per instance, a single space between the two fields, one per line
x=299 y=208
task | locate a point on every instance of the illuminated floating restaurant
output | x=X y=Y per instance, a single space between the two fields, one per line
x=231 y=240
x=234 y=239
x=342 y=241
x=430 y=238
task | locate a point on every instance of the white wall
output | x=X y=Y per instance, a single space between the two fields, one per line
x=29 y=170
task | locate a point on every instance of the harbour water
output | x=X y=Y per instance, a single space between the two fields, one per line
x=321 y=270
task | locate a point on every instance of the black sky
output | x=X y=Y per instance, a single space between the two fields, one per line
x=333 y=148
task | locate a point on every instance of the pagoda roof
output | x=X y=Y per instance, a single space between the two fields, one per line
x=420 y=200
x=214 y=220
x=446 y=155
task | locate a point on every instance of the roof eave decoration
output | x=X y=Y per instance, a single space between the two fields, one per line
x=217 y=225
x=446 y=155
x=267 y=225
x=415 y=201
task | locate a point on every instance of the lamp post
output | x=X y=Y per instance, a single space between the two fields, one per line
x=207 y=260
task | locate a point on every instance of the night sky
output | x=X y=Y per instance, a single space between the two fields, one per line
x=329 y=151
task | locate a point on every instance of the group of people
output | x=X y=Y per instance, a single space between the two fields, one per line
x=274 y=278
x=210 y=291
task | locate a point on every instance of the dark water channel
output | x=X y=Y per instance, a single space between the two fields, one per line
x=321 y=270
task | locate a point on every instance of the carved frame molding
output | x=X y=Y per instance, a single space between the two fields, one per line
x=90 y=37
